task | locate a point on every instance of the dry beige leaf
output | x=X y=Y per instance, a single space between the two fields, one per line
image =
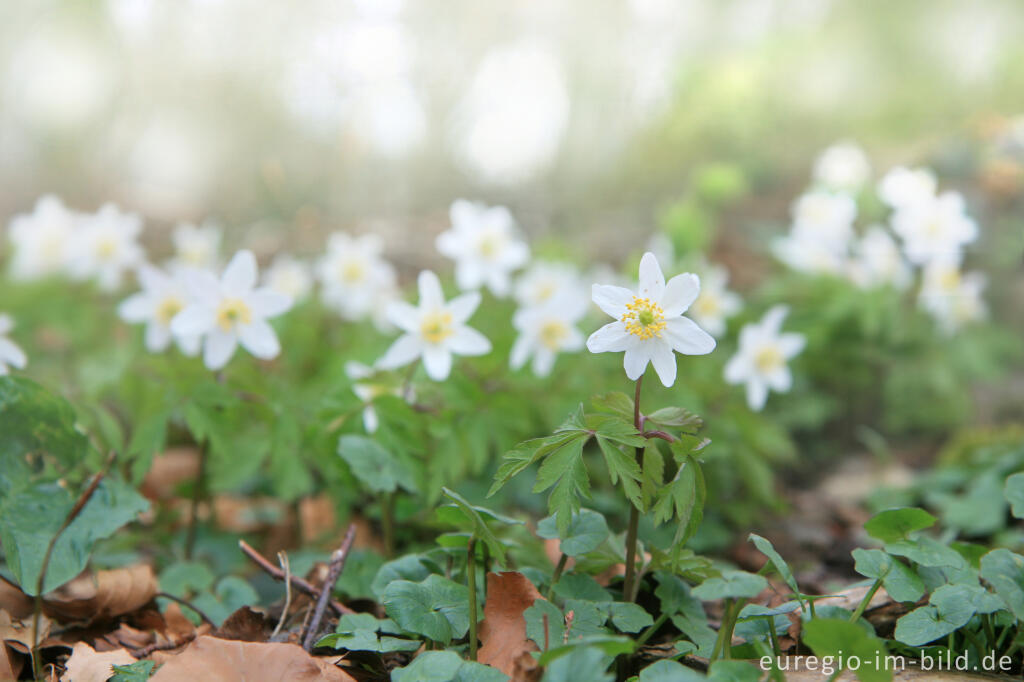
x=19 y=631
x=503 y=631
x=210 y=658
x=13 y=600
x=246 y=625
x=88 y=665
x=104 y=595
x=178 y=625
x=169 y=470
x=11 y=663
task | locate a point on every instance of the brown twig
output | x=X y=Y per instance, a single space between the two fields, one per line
x=334 y=569
x=162 y=646
x=286 y=566
x=188 y=604
x=297 y=582
x=37 y=609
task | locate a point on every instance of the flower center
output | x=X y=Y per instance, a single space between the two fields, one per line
x=353 y=271
x=231 y=312
x=553 y=333
x=768 y=359
x=707 y=305
x=546 y=290
x=106 y=248
x=949 y=280
x=644 y=318
x=168 y=308
x=490 y=245
x=436 y=326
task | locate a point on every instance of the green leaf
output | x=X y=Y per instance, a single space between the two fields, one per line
x=733 y=671
x=409 y=567
x=768 y=549
x=629 y=617
x=676 y=418
x=609 y=645
x=935 y=620
x=436 y=608
x=622 y=466
x=535 y=616
x=475 y=517
x=360 y=632
x=580 y=586
x=669 y=671
x=1013 y=490
x=587 y=530
x=830 y=636
x=1004 y=571
x=139 y=671
x=186 y=578
x=927 y=551
x=378 y=469
x=289 y=475
x=653 y=473
x=31 y=517
x=730 y=584
x=564 y=469
x=616 y=429
x=148 y=438
x=231 y=594
x=615 y=402
x=900 y=582
x=446 y=666
x=579 y=663
x=896 y=524
x=518 y=459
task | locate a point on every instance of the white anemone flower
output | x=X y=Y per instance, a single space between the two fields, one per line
x=902 y=187
x=935 y=230
x=434 y=330
x=954 y=298
x=649 y=325
x=878 y=262
x=808 y=254
x=368 y=390
x=352 y=272
x=715 y=304
x=485 y=246
x=106 y=246
x=231 y=310
x=842 y=166
x=824 y=217
x=547 y=330
x=40 y=239
x=162 y=297
x=543 y=281
x=197 y=246
x=761 y=361
x=10 y=354
x=289 y=276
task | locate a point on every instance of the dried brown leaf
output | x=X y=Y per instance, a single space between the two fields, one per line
x=19 y=631
x=245 y=625
x=169 y=470
x=11 y=663
x=88 y=665
x=13 y=600
x=102 y=596
x=503 y=631
x=210 y=658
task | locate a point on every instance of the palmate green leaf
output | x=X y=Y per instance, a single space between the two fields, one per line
x=377 y=468
x=586 y=531
x=830 y=636
x=474 y=518
x=565 y=471
x=437 y=608
x=289 y=475
x=652 y=470
x=446 y=666
x=679 y=496
x=361 y=632
x=733 y=671
x=622 y=466
x=535 y=617
x=574 y=422
x=669 y=671
x=411 y=567
x=1013 y=490
x=31 y=517
x=927 y=551
x=899 y=581
x=628 y=617
x=949 y=608
x=582 y=587
x=730 y=584
x=148 y=438
x=676 y=418
x=1004 y=571
x=615 y=429
x=526 y=453
x=614 y=402
x=609 y=645
x=896 y=524
x=231 y=594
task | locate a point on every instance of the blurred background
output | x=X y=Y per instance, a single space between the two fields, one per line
x=283 y=121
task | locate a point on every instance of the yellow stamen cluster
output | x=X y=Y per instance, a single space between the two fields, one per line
x=707 y=305
x=352 y=272
x=553 y=333
x=436 y=326
x=768 y=359
x=168 y=308
x=106 y=249
x=233 y=311
x=644 y=318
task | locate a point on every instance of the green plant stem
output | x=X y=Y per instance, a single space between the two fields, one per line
x=990 y=633
x=562 y=561
x=774 y=636
x=865 y=601
x=634 y=512
x=649 y=632
x=198 y=494
x=724 y=631
x=471 y=584
x=974 y=640
x=387 y=522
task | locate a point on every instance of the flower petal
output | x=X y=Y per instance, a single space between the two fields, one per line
x=468 y=341
x=437 y=360
x=431 y=294
x=520 y=351
x=269 y=303
x=189 y=345
x=791 y=344
x=757 y=393
x=781 y=380
x=158 y=337
x=403 y=315
x=462 y=307
x=664 y=361
x=193 y=320
x=652 y=281
x=737 y=369
x=220 y=346
x=680 y=293
x=403 y=351
x=635 y=361
x=687 y=338
x=771 y=323
x=543 y=361
x=611 y=299
x=202 y=285
x=258 y=338
x=11 y=354
x=136 y=308
x=611 y=338
x=240 y=274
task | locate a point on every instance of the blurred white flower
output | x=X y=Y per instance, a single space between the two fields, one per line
x=162 y=297
x=352 y=273
x=934 y=229
x=952 y=297
x=843 y=166
x=484 y=245
x=197 y=247
x=878 y=261
x=547 y=330
x=543 y=280
x=649 y=325
x=761 y=361
x=808 y=254
x=903 y=186
x=106 y=246
x=231 y=310
x=40 y=239
x=289 y=276
x=368 y=390
x=434 y=330
x=716 y=303
x=825 y=217
x=662 y=247
x=10 y=354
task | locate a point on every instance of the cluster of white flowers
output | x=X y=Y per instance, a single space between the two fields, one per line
x=928 y=230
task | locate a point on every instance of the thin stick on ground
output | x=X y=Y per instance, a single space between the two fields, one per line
x=189 y=605
x=37 y=609
x=334 y=569
x=282 y=558
x=299 y=583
